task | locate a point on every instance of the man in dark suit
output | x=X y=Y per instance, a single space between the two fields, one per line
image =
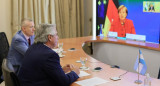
x=20 y=43
x=151 y=8
x=41 y=65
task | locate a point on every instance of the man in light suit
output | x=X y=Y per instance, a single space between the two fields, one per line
x=41 y=65
x=20 y=43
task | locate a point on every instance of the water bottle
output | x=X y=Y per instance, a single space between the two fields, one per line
x=147 y=80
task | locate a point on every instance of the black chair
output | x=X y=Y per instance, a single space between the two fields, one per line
x=9 y=75
x=4 y=48
x=159 y=74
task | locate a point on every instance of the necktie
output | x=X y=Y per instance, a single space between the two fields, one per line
x=29 y=41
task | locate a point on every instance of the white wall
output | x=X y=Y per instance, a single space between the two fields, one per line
x=5 y=18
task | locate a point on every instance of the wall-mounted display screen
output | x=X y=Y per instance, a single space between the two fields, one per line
x=141 y=17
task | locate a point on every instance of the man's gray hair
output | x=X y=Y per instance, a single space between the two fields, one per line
x=42 y=32
x=23 y=21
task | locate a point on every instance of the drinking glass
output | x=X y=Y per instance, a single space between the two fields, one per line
x=83 y=62
x=60 y=45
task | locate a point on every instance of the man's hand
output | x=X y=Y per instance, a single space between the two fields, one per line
x=76 y=70
x=71 y=67
x=67 y=68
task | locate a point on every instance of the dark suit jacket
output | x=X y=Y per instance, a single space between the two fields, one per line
x=151 y=9
x=18 y=48
x=41 y=67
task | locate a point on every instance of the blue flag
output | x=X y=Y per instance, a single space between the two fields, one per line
x=140 y=63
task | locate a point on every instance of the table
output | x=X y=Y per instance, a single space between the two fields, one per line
x=107 y=72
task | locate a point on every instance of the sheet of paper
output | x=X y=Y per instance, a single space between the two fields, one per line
x=83 y=73
x=91 y=82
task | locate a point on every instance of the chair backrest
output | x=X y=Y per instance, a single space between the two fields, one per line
x=10 y=77
x=4 y=48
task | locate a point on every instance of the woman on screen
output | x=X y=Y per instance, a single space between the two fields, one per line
x=122 y=25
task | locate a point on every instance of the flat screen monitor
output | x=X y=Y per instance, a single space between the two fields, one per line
x=143 y=17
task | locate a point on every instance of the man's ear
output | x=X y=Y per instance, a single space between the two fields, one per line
x=49 y=37
x=23 y=28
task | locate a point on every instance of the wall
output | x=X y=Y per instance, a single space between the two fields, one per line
x=5 y=18
x=88 y=17
x=125 y=56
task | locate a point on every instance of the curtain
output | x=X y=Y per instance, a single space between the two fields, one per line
x=69 y=18
x=40 y=11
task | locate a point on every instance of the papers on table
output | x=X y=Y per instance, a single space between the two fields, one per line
x=82 y=73
x=92 y=81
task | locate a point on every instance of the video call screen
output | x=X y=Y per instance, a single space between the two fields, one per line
x=145 y=15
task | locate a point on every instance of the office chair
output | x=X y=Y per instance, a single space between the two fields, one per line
x=10 y=77
x=159 y=74
x=4 y=48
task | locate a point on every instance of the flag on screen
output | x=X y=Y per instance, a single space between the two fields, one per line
x=140 y=63
x=111 y=15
